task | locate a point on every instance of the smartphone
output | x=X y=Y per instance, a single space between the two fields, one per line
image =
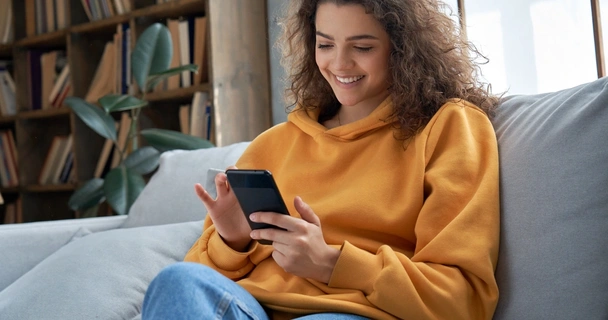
x=255 y=191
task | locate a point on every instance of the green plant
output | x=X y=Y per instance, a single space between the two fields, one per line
x=120 y=187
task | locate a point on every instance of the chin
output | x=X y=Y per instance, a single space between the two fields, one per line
x=347 y=101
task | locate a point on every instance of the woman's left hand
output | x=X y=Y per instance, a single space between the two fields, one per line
x=299 y=249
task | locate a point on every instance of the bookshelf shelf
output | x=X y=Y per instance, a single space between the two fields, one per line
x=48 y=113
x=221 y=77
x=7 y=119
x=177 y=94
x=50 y=188
x=100 y=25
x=170 y=9
x=5 y=190
x=45 y=40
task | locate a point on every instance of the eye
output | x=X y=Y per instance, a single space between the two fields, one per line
x=364 y=49
x=324 y=46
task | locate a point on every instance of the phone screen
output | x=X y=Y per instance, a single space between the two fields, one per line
x=255 y=191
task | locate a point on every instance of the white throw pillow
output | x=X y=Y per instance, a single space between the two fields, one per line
x=103 y=275
x=169 y=195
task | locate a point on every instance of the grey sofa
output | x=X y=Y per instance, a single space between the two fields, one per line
x=553 y=262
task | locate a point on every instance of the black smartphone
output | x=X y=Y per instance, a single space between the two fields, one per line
x=255 y=191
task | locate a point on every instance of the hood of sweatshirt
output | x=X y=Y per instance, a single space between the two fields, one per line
x=306 y=120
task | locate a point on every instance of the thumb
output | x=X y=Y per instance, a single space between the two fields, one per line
x=306 y=212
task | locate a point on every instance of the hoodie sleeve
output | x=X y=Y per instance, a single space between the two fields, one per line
x=451 y=272
x=211 y=250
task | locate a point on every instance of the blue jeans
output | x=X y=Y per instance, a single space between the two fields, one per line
x=193 y=291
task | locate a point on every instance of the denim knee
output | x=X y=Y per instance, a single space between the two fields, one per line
x=180 y=272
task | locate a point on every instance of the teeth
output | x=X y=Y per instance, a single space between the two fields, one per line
x=349 y=79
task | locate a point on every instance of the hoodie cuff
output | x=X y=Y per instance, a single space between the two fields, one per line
x=355 y=269
x=226 y=258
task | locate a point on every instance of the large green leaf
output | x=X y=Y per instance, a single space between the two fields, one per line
x=143 y=160
x=152 y=53
x=116 y=102
x=88 y=196
x=93 y=116
x=122 y=187
x=154 y=79
x=165 y=140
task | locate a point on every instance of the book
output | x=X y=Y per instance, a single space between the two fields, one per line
x=6 y=21
x=63 y=155
x=49 y=8
x=8 y=103
x=61 y=14
x=8 y=157
x=61 y=88
x=5 y=178
x=173 y=26
x=87 y=9
x=184 y=50
x=200 y=58
x=106 y=151
x=34 y=79
x=48 y=61
x=12 y=148
x=123 y=135
x=50 y=159
x=30 y=17
x=104 y=78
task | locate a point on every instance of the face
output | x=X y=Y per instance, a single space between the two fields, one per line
x=352 y=52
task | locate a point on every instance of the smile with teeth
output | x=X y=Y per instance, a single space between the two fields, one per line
x=349 y=79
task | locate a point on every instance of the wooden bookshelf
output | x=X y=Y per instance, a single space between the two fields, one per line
x=238 y=73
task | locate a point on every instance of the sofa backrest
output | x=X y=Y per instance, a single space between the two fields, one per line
x=554 y=204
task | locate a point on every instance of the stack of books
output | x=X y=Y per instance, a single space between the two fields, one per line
x=102 y=9
x=42 y=16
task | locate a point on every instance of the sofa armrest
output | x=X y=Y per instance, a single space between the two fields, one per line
x=23 y=246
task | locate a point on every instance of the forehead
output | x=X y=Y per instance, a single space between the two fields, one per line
x=346 y=19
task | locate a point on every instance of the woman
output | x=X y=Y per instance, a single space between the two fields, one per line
x=388 y=164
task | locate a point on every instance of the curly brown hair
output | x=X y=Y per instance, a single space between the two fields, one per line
x=431 y=61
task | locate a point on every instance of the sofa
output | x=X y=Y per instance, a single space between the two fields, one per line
x=553 y=261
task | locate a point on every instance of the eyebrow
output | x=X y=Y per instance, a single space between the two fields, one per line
x=357 y=37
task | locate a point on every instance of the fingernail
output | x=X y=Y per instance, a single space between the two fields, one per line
x=252 y=234
x=253 y=217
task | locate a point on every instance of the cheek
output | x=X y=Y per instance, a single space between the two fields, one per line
x=320 y=60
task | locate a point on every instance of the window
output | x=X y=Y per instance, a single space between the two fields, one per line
x=533 y=45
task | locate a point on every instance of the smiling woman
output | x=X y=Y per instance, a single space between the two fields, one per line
x=388 y=166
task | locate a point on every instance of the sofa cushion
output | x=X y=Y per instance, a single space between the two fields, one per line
x=554 y=204
x=102 y=275
x=169 y=195
x=24 y=245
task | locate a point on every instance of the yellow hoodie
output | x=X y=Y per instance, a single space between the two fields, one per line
x=417 y=222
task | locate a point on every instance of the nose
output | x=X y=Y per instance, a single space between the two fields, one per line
x=342 y=60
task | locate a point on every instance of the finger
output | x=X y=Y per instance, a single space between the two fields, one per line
x=231 y=167
x=272 y=234
x=275 y=219
x=306 y=212
x=221 y=184
x=203 y=195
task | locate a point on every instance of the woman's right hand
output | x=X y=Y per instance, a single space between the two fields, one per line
x=226 y=213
